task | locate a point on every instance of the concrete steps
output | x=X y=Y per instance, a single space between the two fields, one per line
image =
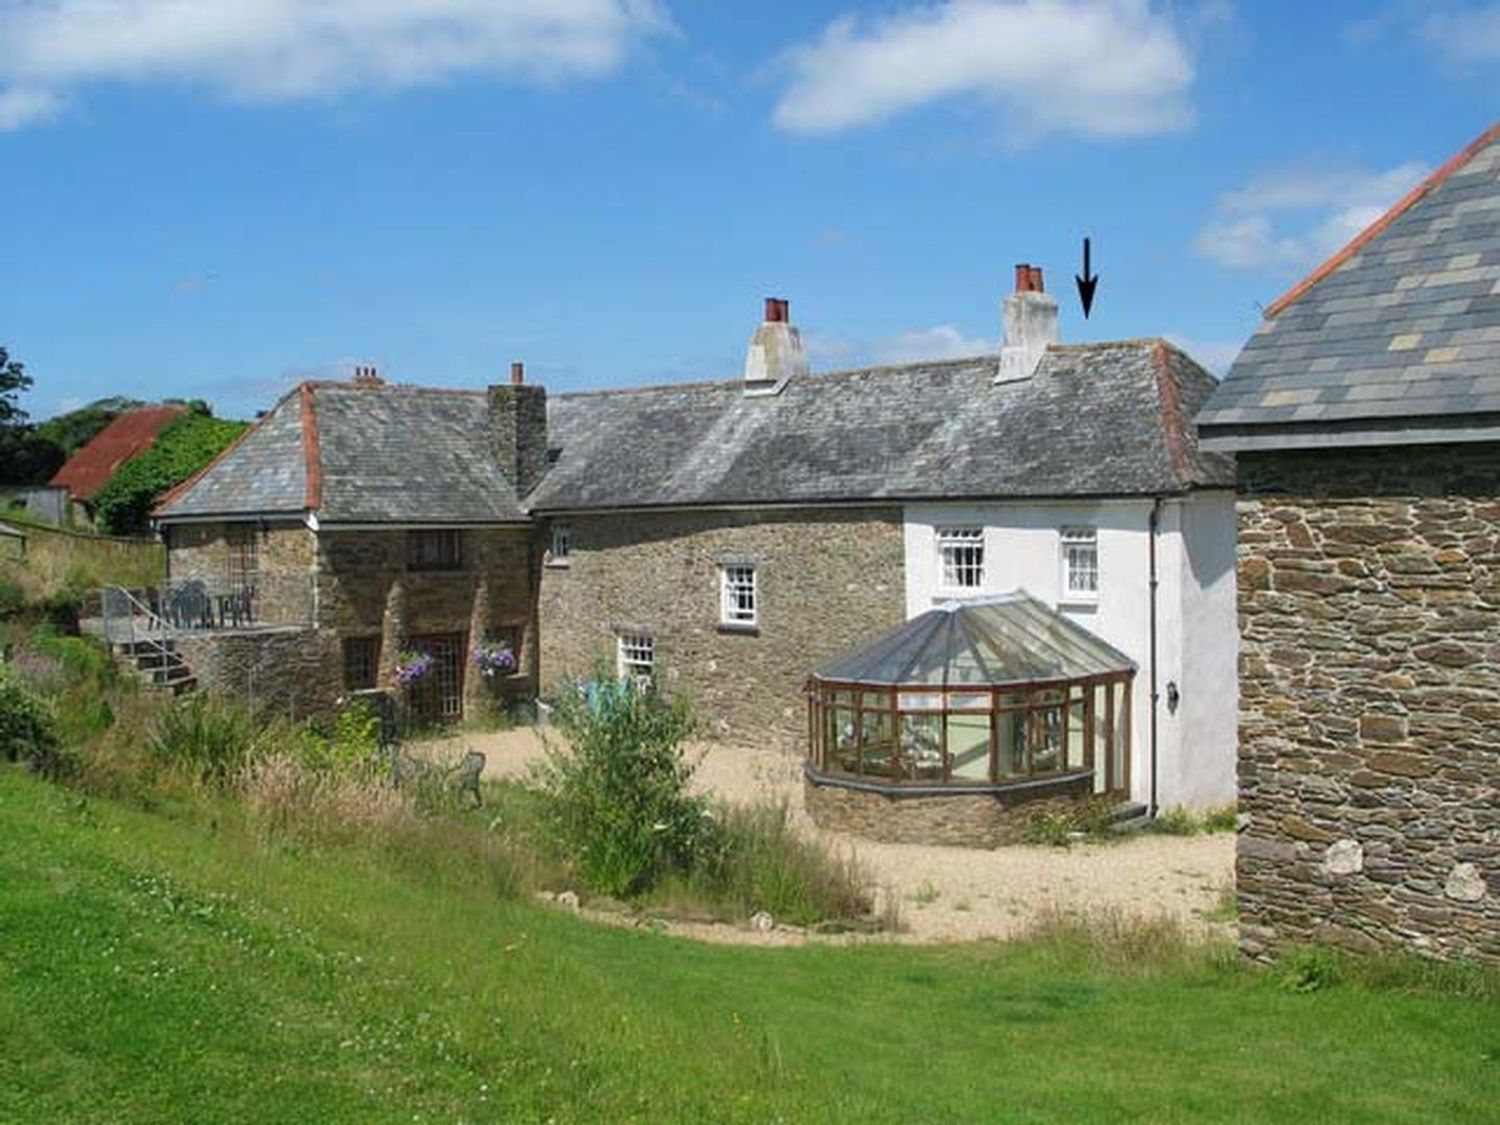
x=159 y=665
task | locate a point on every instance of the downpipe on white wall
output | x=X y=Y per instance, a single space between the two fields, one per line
x=1154 y=528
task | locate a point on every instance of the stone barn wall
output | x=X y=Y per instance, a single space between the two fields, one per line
x=284 y=564
x=827 y=579
x=293 y=672
x=1369 y=759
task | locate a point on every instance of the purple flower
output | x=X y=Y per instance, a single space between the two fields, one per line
x=493 y=659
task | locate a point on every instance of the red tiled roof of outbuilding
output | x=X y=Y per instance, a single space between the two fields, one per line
x=133 y=432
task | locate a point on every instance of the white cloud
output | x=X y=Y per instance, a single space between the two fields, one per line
x=21 y=106
x=1466 y=36
x=916 y=345
x=289 y=49
x=1096 y=68
x=1216 y=355
x=1295 y=218
x=942 y=342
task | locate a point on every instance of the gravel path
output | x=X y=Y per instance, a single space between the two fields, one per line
x=954 y=894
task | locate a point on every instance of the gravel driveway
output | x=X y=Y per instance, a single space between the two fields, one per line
x=946 y=893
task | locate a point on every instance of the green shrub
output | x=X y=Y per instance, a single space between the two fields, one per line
x=1052 y=828
x=209 y=740
x=1308 y=968
x=12 y=598
x=752 y=859
x=1221 y=818
x=28 y=732
x=617 y=802
x=1178 y=820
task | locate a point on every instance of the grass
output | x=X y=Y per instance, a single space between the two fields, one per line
x=170 y=966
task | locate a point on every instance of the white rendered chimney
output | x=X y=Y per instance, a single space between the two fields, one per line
x=776 y=352
x=1029 y=316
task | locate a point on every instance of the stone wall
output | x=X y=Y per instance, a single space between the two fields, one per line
x=1369 y=767
x=295 y=672
x=356 y=569
x=957 y=820
x=827 y=580
x=284 y=557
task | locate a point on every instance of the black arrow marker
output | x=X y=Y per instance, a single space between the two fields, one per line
x=1086 y=282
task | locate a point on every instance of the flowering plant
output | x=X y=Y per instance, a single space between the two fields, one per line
x=494 y=659
x=411 y=667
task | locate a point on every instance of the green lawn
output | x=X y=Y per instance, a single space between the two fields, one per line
x=158 y=967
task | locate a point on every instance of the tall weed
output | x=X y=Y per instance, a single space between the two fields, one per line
x=617 y=801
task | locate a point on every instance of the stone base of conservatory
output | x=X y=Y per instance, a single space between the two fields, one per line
x=971 y=817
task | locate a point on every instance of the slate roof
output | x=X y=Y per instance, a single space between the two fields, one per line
x=359 y=454
x=94 y=464
x=1394 y=339
x=1094 y=420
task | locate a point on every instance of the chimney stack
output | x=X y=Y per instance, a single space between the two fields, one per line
x=367 y=376
x=776 y=352
x=1029 y=320
x=518 y=425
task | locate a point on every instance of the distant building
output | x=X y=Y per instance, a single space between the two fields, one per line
x=94 y=464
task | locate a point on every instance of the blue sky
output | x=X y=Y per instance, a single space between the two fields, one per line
x=216 y=198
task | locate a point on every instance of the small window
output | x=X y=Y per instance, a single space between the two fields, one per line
x=562 y=545
x=437 y=549
x=1080 y=556
x=961 y=556
x=242 y=545
x=361 y=662
x=636 y=656
x=737 y=596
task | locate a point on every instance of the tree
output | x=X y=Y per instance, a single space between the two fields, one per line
x=13 y=380
x=25 y=458
x=76 y=428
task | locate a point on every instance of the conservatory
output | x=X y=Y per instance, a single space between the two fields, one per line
x=943 y=727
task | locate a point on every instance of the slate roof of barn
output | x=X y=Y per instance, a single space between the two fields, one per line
x=356 y=454
x=1396 y=338
x=1094 y=420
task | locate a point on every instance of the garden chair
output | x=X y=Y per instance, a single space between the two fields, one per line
x=464 y=777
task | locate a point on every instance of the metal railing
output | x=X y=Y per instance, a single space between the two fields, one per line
x=128 y=620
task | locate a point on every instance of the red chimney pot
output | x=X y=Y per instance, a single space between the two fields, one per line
x=773 y=310
x=1036 y=280
x=517 y=373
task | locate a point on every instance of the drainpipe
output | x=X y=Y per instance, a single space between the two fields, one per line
x=1155 y=527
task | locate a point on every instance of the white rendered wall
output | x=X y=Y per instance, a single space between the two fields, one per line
x=1204 y=767
x=1023 y=550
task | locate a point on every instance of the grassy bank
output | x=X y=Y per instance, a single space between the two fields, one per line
x=169 y=966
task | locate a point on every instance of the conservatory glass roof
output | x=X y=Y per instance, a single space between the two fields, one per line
x=1010 y=639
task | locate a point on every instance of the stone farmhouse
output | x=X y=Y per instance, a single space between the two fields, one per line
x=730 y=538
x=1365 y=419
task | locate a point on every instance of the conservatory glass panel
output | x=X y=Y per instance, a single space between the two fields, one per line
x=922 y=747
x=969 y=748
x=876 y=744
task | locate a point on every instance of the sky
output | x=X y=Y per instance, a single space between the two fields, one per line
x=219 y=198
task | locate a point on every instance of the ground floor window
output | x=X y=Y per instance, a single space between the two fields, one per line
x=737 y=595
x=361 y=662
x=636 y=656
x=439 y=696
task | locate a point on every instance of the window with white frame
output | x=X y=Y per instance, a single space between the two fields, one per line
x=636 y=655
x=737 y=595
x=1080 y=562
x=562 y=544
x=961 y=557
